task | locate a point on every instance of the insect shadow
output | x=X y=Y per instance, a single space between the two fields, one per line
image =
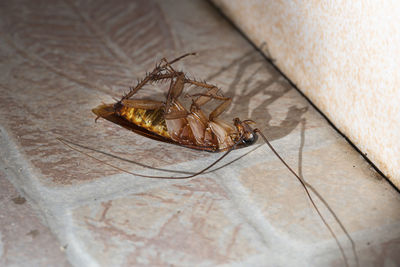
x=245 y=87
x=254 y=76
x=170 y=122
x=275 y=86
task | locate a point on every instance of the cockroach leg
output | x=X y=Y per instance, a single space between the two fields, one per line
x=162 y=76
x=142 y=104
x=168 y=65
x=200 y=84
x=183 y=56
x=203 y=98
x=220 y=109
x=135 y=89
x=153 y=75
x=175 y=90
x=191 y=129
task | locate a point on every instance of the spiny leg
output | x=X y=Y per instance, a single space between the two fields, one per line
x=220 y=109
x=148 y=78
x=209 y=125
x=168 y=64
x=157 y=70
x=175 y=90
x=183 y=56
x=204 y=98
x=142 y=104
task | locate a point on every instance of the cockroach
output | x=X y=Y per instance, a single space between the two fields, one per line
x=169 y=121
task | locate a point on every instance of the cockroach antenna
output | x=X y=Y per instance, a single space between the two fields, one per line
x=169 y=121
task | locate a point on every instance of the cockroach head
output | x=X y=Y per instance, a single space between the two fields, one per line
x=247 y=134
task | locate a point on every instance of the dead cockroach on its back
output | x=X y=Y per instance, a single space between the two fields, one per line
x=171 y=122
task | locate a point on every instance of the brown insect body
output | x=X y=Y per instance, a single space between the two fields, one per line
x=107 y=112
x=171 y=122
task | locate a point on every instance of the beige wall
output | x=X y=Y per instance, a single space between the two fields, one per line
x=345 y=56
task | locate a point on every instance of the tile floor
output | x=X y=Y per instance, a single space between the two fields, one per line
x=60 y=59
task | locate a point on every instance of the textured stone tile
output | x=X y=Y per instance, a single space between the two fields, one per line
x=190 y=223
x=60 y=60
x=45 y=100
x=24 y=239
x=366 y=205
x=50 y=88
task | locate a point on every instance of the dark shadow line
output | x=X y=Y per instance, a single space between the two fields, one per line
x=66 y=143
x=338 y=221
x=236 y=159
x=124 y=159
x=155 y=168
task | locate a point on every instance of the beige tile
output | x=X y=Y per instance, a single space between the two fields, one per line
x=62 y=59
x=182 y=224
x=24 y=239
